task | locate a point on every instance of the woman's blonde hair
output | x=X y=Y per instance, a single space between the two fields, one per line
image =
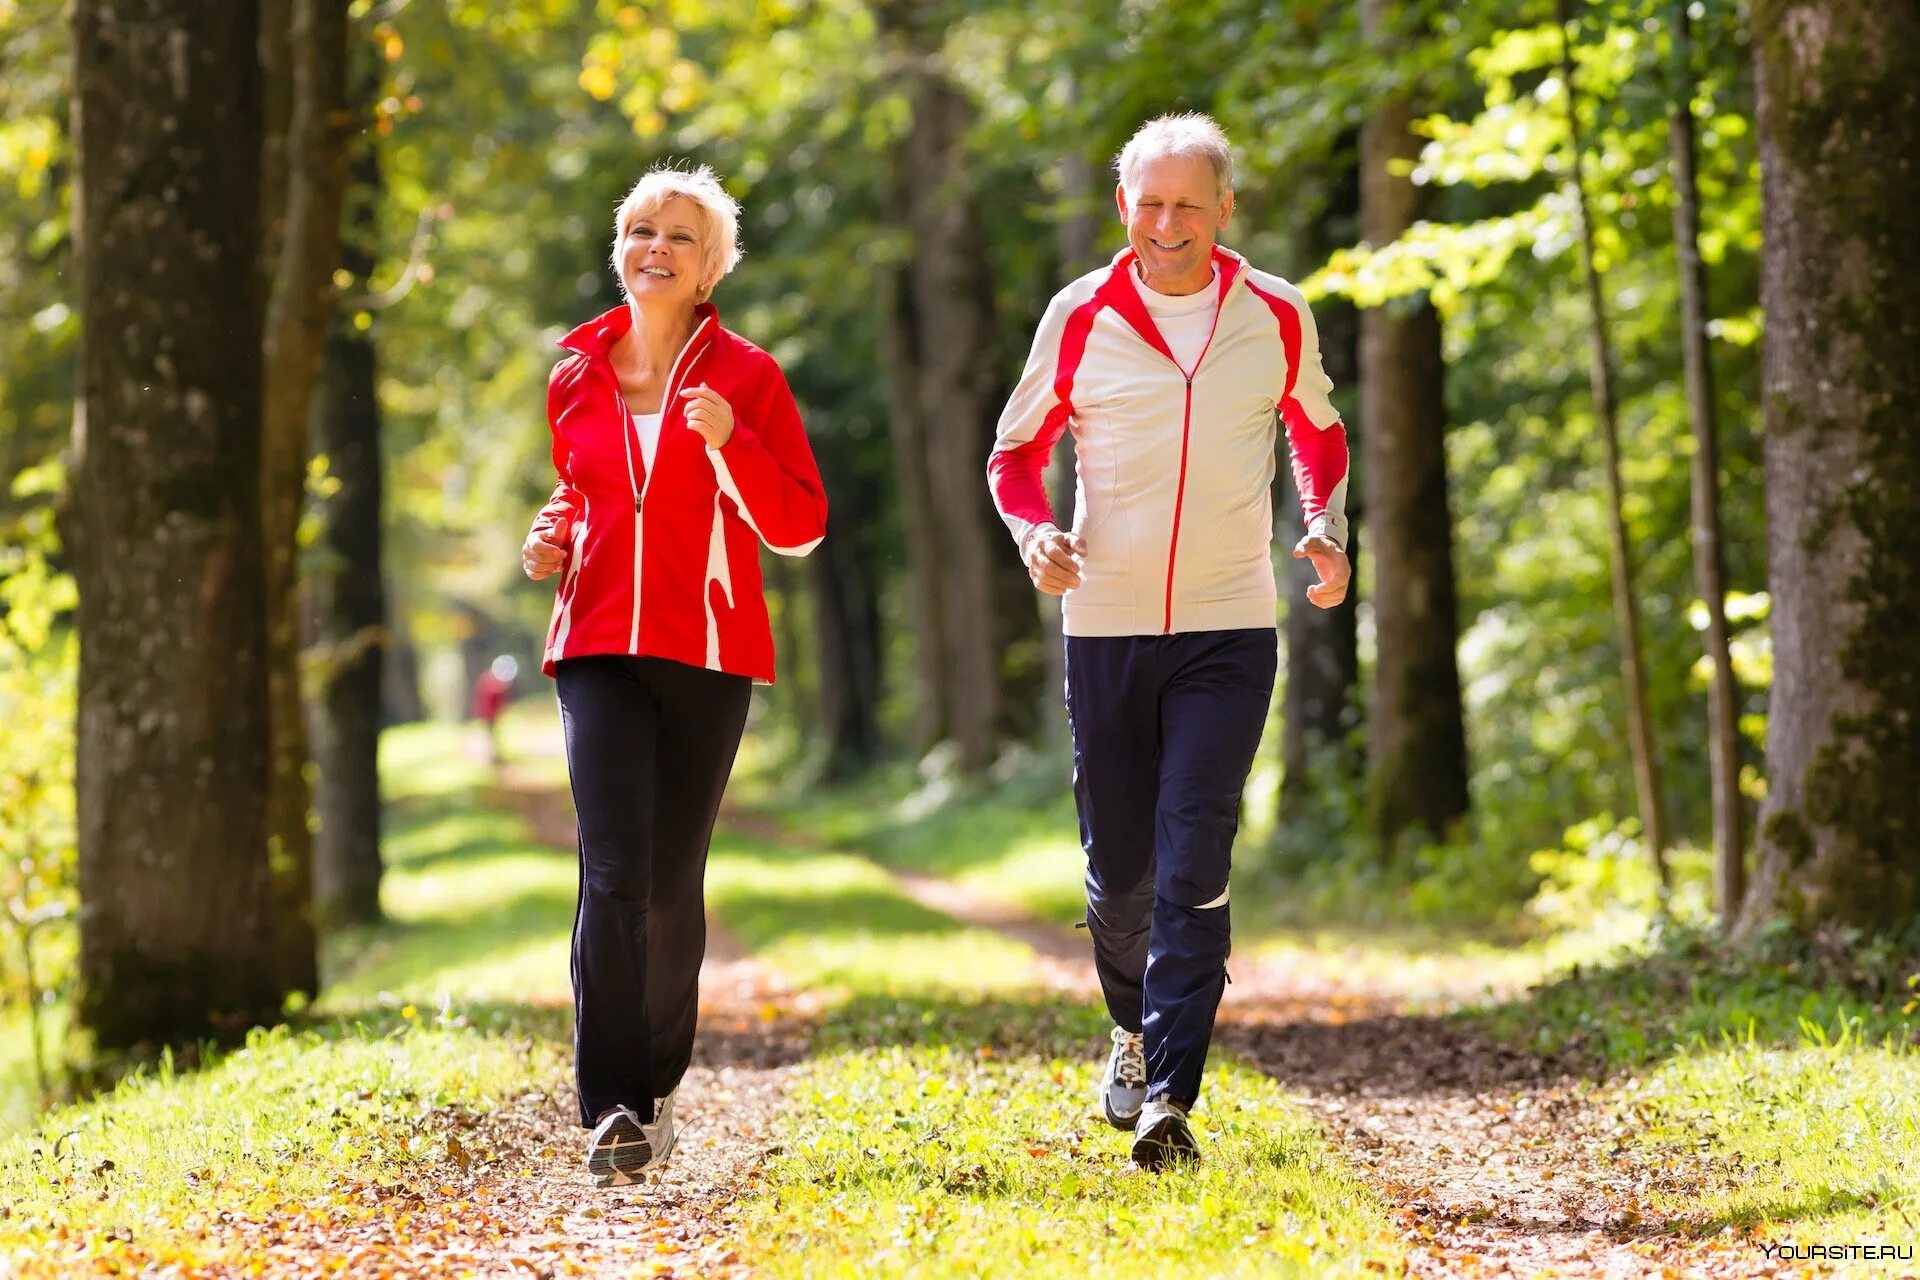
x=720 y=238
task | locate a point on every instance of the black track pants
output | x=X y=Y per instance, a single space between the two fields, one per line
x=650 y=743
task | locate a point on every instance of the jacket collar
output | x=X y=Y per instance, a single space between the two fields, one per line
x=597 y=336
x=1121 y=291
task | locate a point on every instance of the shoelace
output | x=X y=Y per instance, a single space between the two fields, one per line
x=1132 y=1067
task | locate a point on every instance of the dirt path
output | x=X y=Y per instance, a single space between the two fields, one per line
x=510 y=1196
x=1497 y=1163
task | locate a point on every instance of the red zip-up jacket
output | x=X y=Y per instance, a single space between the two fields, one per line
x=665 y=561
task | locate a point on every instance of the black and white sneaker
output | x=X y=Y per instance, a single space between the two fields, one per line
x=619 y=1149
x=1123 y=1089
x=1163 y=1137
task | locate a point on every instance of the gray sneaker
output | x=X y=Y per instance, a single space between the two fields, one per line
x=619 y=1149
x=1164 y=1137
x=1123 y=1089
x=664 y=1132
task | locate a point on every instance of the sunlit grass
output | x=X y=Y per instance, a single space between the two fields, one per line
x=949 y=1156
x=140 y=1178
x=1819 y=1143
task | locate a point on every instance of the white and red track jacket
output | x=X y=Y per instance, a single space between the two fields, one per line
x=665 y=561
x=1173 y=464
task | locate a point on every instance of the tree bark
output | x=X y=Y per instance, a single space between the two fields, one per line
x=1319 y=704
x=1416 y=735
x=946 y=322
x=299 y=311
x=347 y=592
x=900 y=346
x=1626 y=607
x=176 y=936
x=846 y=618
x=1838 y=128
x=1077 y=238
x=1709 y=564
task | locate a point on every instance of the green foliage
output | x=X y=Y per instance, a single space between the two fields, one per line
x=37 y=839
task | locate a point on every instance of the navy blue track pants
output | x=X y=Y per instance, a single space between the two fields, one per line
x=1164 y=733
x=650 y=743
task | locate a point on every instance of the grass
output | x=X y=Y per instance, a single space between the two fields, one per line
x=1791 y=1065
x=1009 y=842
x=458 y=1003
x=933 y=1160
x=946 y=1127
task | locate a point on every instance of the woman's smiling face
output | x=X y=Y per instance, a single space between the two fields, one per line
x=662 y=254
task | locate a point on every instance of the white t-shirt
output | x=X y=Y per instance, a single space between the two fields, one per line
x=1184 y=321
x=648 y=425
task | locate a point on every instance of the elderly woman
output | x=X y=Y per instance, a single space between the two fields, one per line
x=679 y=450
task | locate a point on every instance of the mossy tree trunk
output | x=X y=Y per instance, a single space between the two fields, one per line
x=1838 y=130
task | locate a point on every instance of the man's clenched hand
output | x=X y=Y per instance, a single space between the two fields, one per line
x=1053 y=559
x=1330 y=562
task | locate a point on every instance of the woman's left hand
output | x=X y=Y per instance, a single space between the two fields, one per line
x=709 y=413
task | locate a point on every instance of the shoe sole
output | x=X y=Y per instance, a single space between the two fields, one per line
x=619 y=1157
x=1169 y=1143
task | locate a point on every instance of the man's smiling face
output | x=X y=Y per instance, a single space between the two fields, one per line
x=1172 y=220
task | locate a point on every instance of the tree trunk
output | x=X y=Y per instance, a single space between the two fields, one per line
x=176 y=937
x=900 y=348
x=1838 y=129
x=400 y=700
x=846 y=618
x=1319 y=704
x=1416 y=736
x=299 y=312
x=1709 y=565
x=949 y=297
x=953 y=295
x=347 y=593
x=1626 y=607
x=1078 y=242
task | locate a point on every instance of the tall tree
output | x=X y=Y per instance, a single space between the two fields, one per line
x=1323 y=656
x=1416 y=736
x=1077 y=239
x=846 y=614
x=305 y=244
x=176 y=938
x=1709 y=563
x=1838 y=128
x=1626 y=605
x=944 y=391
x=347 y=592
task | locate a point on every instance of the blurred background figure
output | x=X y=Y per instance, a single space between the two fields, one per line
x=490 y=695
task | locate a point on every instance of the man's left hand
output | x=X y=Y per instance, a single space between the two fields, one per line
x=1330 y=562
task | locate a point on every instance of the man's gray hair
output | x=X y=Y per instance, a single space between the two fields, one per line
x=1190 y=133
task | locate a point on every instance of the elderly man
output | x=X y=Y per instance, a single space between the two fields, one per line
x=1177 y=367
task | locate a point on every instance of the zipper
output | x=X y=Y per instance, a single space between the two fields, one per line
x=640 y=486
x=1180 y=490
x=1186 y=435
